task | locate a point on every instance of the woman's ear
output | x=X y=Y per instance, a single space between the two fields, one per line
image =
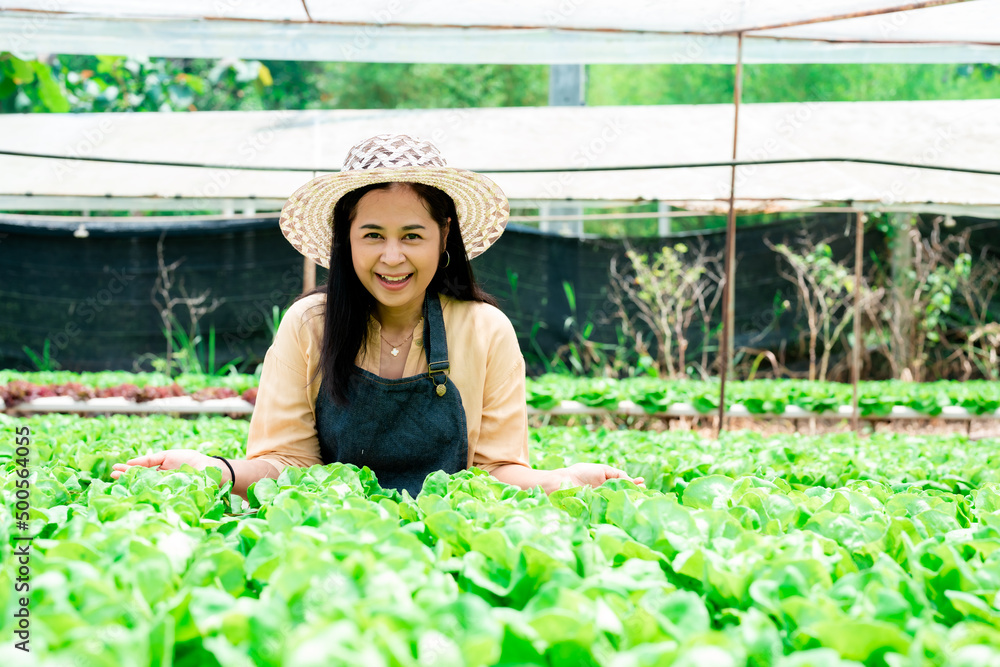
x=444 y=234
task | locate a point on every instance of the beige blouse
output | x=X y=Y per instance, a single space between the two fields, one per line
x=486 y=366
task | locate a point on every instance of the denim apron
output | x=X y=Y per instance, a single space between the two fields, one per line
x=402 y=429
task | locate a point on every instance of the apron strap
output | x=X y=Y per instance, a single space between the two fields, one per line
x=435 y=342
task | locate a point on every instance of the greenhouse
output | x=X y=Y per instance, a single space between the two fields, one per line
x=625 y=335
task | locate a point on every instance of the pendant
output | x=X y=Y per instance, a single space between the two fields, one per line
x=394 y=352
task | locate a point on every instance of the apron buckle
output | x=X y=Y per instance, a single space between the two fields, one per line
x=433 y=369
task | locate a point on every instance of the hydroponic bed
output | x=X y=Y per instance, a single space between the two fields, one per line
x=116 y=392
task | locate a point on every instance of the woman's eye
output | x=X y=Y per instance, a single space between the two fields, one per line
x=411 y=236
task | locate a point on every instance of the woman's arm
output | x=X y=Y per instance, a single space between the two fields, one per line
x=578 y=474
x=528 y=478
x=502 y=449
x=247 y=472
x=282 y=428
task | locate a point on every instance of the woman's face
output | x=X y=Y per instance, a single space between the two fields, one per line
x=396 y=246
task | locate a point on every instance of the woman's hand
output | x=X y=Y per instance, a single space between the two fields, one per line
x=172 y=459
x=595 y=474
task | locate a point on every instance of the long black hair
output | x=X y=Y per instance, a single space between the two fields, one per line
x=349 y=305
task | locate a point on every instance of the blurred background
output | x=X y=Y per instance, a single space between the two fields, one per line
x=140 y=193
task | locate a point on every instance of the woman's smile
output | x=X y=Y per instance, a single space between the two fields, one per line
x=394 y=282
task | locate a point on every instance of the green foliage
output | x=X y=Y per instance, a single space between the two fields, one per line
x=947 y=464
x=29 y=86
x=747 y=551
x=45 y=361
x=713 y=84
x=940 y=319
x=665 y=292
x=522 y=320
x=580 y=355
x=119 y=83
x=824 y=287
x=664 y=287
x=764 y=396
x=651 y=394
x=276 y=316
x=195 y=356
x=666 y=271
x=188 y=355
x=940 y=285
x=421 y=85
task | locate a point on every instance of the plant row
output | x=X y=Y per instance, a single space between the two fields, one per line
x=187 y=383
x=18 y=392
x=765 y=396
x=548 y=391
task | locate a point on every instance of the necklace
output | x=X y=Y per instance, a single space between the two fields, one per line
x=395 y=348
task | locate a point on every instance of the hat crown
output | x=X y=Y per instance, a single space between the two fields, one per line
x=393 y=151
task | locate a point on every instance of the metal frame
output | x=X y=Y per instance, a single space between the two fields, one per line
x=728 y=305
x=461 y=37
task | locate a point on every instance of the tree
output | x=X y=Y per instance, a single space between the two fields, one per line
x=665 y=292
x=826 y=289
x=713 y=84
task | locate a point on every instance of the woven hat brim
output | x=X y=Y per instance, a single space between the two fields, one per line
x=307 y=216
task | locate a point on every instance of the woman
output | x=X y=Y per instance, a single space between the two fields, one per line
x=400 y=361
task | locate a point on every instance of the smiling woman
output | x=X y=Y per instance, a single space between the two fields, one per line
x=400 y=362
x=396 y=250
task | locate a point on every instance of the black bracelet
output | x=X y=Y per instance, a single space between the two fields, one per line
x=228 y=465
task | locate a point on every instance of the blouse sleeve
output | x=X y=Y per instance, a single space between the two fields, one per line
x=503 y=436
x=283 y=424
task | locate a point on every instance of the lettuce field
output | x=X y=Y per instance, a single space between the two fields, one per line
x=751 y=550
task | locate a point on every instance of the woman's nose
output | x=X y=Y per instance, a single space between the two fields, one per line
x=393 y=253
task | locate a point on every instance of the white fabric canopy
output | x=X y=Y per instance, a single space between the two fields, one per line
x=949 y=133
x=513 y=31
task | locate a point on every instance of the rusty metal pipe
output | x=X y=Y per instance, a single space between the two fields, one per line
x=728 y=308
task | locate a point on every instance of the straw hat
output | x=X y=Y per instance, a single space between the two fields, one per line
x=482 y=207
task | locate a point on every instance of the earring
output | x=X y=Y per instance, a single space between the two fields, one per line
x=447 y=260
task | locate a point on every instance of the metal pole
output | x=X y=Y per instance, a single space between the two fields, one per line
x=567 y=88
x=663 y=226
x=728 y=310
x=308 y=275
x=308 y=270
x=859 y=243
